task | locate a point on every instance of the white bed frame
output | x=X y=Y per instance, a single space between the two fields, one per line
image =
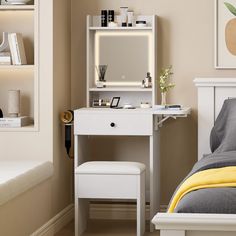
x=211 y=94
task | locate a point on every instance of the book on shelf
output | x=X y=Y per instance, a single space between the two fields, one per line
x=14 y=122
x=5 y=58
x=17 y=49
x=173 y=107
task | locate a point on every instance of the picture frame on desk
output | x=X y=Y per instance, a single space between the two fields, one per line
x=115 y=102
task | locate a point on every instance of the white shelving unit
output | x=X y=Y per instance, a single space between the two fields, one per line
x=129 y=92
x=21 y=19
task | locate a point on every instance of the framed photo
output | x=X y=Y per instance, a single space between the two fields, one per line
x=225 y=34
x=115 y=102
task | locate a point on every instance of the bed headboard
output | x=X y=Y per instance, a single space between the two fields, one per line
x=211 y=94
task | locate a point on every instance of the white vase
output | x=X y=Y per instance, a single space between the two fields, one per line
x=163 y=98
x=13 y=103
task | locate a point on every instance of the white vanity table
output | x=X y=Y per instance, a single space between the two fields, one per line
x=123 y=122
x=114 y=122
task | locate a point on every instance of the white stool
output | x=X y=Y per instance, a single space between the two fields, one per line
x=109 y=180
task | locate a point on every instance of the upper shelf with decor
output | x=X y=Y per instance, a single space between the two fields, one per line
x=121 y=59
x=138 y=22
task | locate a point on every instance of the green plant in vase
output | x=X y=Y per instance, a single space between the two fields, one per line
x=164 y=83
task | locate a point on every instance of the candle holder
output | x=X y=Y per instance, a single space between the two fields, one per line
x=14 y=103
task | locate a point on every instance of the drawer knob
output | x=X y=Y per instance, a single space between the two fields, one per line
x=112 y=124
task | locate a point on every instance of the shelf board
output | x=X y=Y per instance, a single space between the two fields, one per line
x=121 y=28
x=121 y=89
x=16 y=7
x=10 y=67
x=30 y=128
x=168 y=112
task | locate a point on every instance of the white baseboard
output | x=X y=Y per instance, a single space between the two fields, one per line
x=56 y=223
x=116 y=211
x=111 y=211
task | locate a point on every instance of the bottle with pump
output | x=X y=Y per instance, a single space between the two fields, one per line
x=148 y=81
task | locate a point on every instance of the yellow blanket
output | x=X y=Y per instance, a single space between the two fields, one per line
x=212 y=178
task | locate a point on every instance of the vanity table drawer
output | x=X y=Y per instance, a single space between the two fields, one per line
x=113 y=124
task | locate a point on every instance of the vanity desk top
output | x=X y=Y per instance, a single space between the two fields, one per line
x=132 y=122
x=151 y=111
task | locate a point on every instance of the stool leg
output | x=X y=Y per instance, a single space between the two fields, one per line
x=141 y=205
x=81 y=216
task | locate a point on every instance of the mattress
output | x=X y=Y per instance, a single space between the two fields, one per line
x=17 y=177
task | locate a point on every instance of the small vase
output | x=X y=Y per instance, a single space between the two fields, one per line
x=163 y=99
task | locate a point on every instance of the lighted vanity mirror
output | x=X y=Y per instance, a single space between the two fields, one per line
x=127 y=55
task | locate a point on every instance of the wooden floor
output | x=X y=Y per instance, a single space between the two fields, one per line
x=106 y=228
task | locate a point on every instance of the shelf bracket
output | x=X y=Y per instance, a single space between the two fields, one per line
x=160 y=120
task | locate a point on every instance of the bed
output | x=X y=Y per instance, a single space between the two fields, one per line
x=208 y=211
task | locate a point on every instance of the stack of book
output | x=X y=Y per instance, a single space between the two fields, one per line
x=5 y=58
x=168 y=107
x=17 y=49
x=14 y=122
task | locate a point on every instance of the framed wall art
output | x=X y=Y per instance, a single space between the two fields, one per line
x=225 y=34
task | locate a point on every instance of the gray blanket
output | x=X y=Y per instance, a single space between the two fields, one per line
x=223 y=134
x=223 y=146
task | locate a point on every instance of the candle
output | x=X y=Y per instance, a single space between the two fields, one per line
x=13 y=103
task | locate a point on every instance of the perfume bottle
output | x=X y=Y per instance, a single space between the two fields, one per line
x=111 y=16
x=124 y=11
x=130 y=18
x=148 y=81
x=104 y=18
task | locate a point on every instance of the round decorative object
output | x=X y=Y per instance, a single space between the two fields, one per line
x=67 y=117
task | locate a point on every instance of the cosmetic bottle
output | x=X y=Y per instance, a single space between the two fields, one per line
x=130 y=18
x=123 y=11
x=148 y=81
x=104 y=18
x=111 y=16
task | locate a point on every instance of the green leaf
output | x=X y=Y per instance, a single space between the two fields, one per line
x=231 y=8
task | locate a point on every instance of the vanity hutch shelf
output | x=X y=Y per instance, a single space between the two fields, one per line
x=120 y=28
x=122 y=89
x=121 y=81
x=21 y=19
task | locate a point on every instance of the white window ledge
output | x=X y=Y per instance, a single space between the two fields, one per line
x=18 y=176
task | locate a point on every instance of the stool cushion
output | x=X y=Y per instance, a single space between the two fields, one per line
x=110 y=168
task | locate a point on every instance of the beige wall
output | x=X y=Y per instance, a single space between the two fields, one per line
x=185 y=40
x=26 y=213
